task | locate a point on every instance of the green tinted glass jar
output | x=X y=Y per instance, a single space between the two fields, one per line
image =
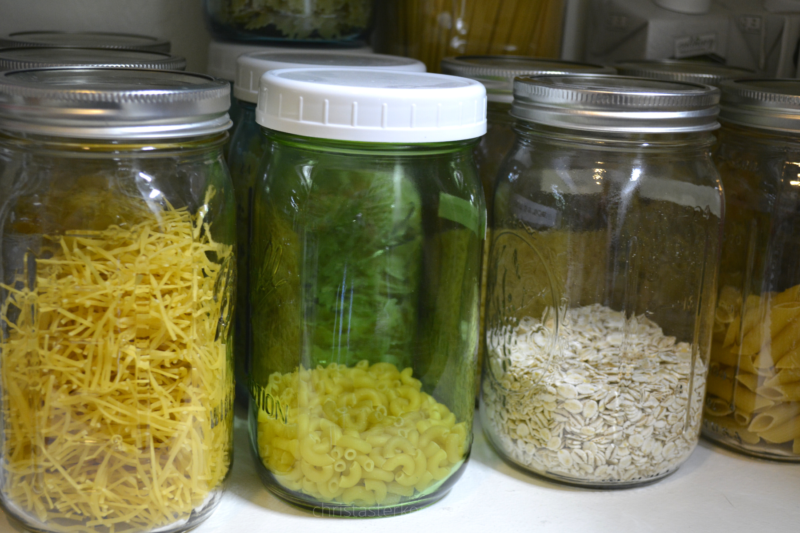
x=753 y=400
x=367 y=227
x=248 y=145
x=116 y=293
x=602 y=276
x=497 y=74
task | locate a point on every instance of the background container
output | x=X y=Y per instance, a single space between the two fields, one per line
x=602 y=275
x=247 y=150
x=40 y=57
x=364 y=287
x=85 y=39
x=429 y=30
x=115 y=298
x=753 y=402
x=689 y=71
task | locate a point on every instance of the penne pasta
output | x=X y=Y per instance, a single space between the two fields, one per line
x=789 y=392
x=774 y=416
x=783 y=433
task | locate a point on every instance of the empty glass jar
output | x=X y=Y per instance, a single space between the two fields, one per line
x=753 y=401
x=602 y=276
x=116 y=293
x=367 y=226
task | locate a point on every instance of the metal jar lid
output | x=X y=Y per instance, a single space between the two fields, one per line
x=768 y=104
x=39 y=57
x=497 y=73
x=683 y=70
x=85 y=39
x=606 y=103
x=107 y=103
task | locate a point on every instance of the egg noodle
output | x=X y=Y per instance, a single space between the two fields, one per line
x=116 y=384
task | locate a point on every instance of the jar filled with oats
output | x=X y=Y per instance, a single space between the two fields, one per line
x=602 y=274
x=753 y=401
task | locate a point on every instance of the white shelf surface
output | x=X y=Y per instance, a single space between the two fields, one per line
x=716 y=490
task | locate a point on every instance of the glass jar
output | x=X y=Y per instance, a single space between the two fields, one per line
x=331 y=21
x=85 y=39
x=691 y=71
x=247 y=150
x=497 y=74
x=367 y=228
x=116 y=296
x=602 y=275
x=429 y=30
x=753 y=401
x=40 y=57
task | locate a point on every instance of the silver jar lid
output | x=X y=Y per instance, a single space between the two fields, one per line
x=497 y=73
x=107 y=103
x=683 y=70
x=39 y=57
x=85 y=39
x=607 y=103
x=768 y=104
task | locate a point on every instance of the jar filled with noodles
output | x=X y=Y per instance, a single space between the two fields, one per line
x=753 y=400
x=247 y=149
x=497 y=74
x=365 y=254
x=116 y=280
x=602 y=274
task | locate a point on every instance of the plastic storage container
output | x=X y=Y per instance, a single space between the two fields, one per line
x=497 y=74
x=247 y=150
x=429 y=30
x=367 y=228
x=40 y=57
x=85 y=39
x=602 y=274
x=683 y=70
x=332 y=21
x=753 y=401
x=116 y=284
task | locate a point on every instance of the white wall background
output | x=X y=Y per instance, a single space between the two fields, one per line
x=180 y=21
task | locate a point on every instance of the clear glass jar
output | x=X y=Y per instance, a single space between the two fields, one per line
x=364 y=291
x=335 y=22
x=430 y=30
x=497 y=74
x=602 y=275
x=247 y=149
x=116 y=296
x=753 y=401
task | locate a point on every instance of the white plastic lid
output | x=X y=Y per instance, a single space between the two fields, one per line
x=372 y=105
x=222 y=56
x=251 y=66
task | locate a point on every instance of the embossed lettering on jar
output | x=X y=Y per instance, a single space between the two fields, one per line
x=602 y=272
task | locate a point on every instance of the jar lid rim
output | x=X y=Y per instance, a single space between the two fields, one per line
x=603 y=102
x=24 y=58
x=772 y=104
x=682 y=70
x=113 y=103
x=78 y=39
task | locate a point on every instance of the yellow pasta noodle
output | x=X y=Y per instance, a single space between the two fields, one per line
x=367 y=427
x=115 y=375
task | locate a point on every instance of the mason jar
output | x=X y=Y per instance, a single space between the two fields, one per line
x=497 y=74
x=85 y=39
x=753 y=401
x=116 y=280
x=686 y=70
x=365 y=254
x=40 y=57
x=248 y=143
x=602 y=275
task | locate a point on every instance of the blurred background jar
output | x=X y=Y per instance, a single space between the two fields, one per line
x=41 y=57
x=704 y=72
x=332 y=21
x=116 y=293
x=497 y=74
x=367 y=227
x=429 y=30
x=602 y=275
x=247 y=151
x=753 y=401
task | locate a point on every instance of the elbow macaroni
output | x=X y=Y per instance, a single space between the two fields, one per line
x=365 y=435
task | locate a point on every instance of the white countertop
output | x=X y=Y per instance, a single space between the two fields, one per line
x=714 y=491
